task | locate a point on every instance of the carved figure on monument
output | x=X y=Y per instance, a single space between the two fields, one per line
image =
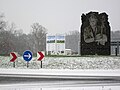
x=95 y=34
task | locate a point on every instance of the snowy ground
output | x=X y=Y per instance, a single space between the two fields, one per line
x=96 y=62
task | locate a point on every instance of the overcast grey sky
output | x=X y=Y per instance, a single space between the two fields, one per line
x=58 y=16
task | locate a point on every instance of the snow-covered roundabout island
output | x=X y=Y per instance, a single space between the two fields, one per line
x=94 y=62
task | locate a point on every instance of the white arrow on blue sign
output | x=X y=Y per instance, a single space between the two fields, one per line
x=27 y=55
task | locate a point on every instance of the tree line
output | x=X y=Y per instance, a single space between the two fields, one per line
x=13 y=40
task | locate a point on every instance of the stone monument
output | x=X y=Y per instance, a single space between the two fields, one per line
x=95 y=34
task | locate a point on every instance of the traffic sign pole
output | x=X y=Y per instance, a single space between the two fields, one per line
x=116 y=51
x=14 y=64
x=41 y=64
x=27 y=64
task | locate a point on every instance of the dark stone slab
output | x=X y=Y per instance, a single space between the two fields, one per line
x=95 y=34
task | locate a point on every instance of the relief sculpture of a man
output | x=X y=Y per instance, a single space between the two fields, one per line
x=95 y=34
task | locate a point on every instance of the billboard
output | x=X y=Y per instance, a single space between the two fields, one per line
x=51 y=39
x=55 y=44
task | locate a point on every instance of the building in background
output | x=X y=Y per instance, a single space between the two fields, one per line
x=72 y=41
x=55 y=45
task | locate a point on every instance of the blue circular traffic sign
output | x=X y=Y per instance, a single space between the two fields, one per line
x=27 y=55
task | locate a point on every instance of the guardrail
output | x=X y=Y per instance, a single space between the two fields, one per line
x=58 y=78
x=65 y=74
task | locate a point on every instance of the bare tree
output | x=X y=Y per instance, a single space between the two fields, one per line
x=39 y=37
x=15 y=40
x=10 y=38
x=3 y=39
x=2 y=23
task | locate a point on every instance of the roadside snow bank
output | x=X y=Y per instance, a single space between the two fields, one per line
x=64 y=63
